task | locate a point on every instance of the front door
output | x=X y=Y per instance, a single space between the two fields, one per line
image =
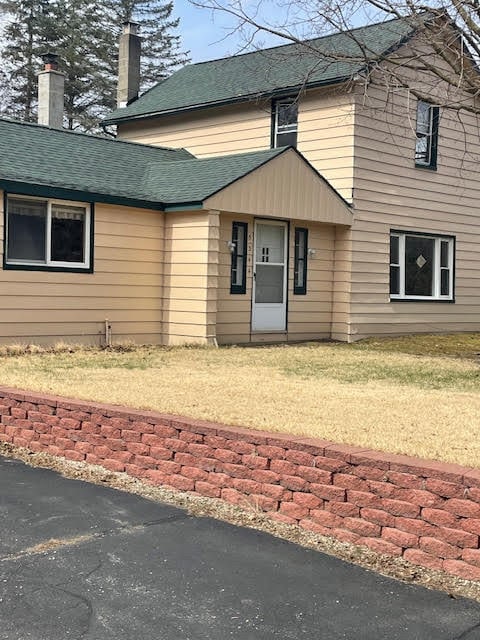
x=269 y=307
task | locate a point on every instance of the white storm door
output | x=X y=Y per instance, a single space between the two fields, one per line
x=269 y=306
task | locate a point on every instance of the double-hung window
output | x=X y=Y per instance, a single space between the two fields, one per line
x=421 y=266
x=285 y=123
x=426 y=135
x=238 y=247
x=44 y=233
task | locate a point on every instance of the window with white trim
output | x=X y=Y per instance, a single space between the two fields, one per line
x=427 y=135
x=421 y=266
x=285 y=122
x=47 y=233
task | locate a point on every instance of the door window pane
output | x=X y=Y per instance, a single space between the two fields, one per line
x=270 y=243
x=26 y=230
x=269 y=283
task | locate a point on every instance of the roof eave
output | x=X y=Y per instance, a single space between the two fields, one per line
x=284 y=91
x=31 y=188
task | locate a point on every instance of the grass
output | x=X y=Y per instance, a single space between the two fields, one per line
x=418 y=395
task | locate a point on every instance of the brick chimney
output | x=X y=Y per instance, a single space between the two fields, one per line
x=128 y=64
x=51 y=88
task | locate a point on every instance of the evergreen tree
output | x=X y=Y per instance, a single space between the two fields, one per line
x=84 y=33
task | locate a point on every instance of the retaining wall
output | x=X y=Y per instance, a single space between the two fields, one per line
x=426 y=511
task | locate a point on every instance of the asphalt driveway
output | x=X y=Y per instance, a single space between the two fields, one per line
x=83 y=561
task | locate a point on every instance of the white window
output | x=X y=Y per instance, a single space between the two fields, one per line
x=47 y=233
x=421 y=266
x=427 y=135
x=285 y=123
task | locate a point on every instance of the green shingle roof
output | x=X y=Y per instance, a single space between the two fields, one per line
x=268 y=72
x=39 y=156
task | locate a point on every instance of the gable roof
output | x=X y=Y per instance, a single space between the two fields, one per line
x=268 y=72
x=33 y=157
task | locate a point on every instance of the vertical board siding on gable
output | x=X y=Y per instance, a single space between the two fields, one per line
x=212 y=132
x=190 y=298
x=309 y=315
x=391 y=193
x=125 y=288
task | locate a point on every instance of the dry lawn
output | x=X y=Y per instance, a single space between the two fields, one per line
x=369 y=394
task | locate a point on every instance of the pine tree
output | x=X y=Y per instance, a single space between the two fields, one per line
x=84 y=33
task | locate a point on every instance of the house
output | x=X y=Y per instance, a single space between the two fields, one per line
x=250 y=199
x=407 y=167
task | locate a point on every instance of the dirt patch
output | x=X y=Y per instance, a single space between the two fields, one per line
x=397 y=568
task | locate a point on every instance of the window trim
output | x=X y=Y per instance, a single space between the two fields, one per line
x=438 y=238
x=274 y=127
x=432 y=137
x=300 y=290
x=239 y=227
x=51 y=265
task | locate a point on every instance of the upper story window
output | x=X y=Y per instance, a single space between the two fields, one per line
x=285 y=123
x=44 y=234
x=427 y=135
x=421 y=266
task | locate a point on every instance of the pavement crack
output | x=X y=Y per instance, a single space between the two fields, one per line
x=53 y=544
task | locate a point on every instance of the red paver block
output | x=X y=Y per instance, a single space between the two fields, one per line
x=377 y=516
x=246 y=486
x=138 y=448
x=283 y=467
x=264 y=476
x=145 y=461
x=345 y=536
x=328 y=492
x=142 y=427
x=400 y=508
x=362 y=527
x=472 y=556
x=445 y=489
x=224 y=455
x=220 y=480
x=364 y=499
x=194 y=473
x=181 y=482
x=240 y=447
x=165 y=431
x=315 y=527
x=326 y=518
x=281 y=517
x=306 y=500
x=113 y=465
x=254 y=461
x=77 y=456
x=343 y=509
x=466 y=508
x=473 y=493
x=330 y=464
x=416 y=556
x=470 y=524
x=202 y=450
x=384 y=489
x=415 y=525
x=190 y=436
x=312 y=474
x=440 y=517
x=462 y=569
x=458 y=538
x=294 y=510
x=438 y=548
x=349 y=481
x=122 y=456
x=405 y=480
x=379 y=545
x=64 y=443
x=300 y=457
x=276 y=491
x=69 y=423
x=160 y=453
x=207 y=489
x=233 y=496
x=115 y=444
x=400 y=538
x=294 y=483
x=156 y=477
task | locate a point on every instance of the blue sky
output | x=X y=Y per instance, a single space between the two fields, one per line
x=206 y=35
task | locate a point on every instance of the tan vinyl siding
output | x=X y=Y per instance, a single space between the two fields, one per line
x=325 y=135
x=325 y=124
x=390 y=192
x=126 y=287
x=309 y=316
x=212 y=132
x=190 y=285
